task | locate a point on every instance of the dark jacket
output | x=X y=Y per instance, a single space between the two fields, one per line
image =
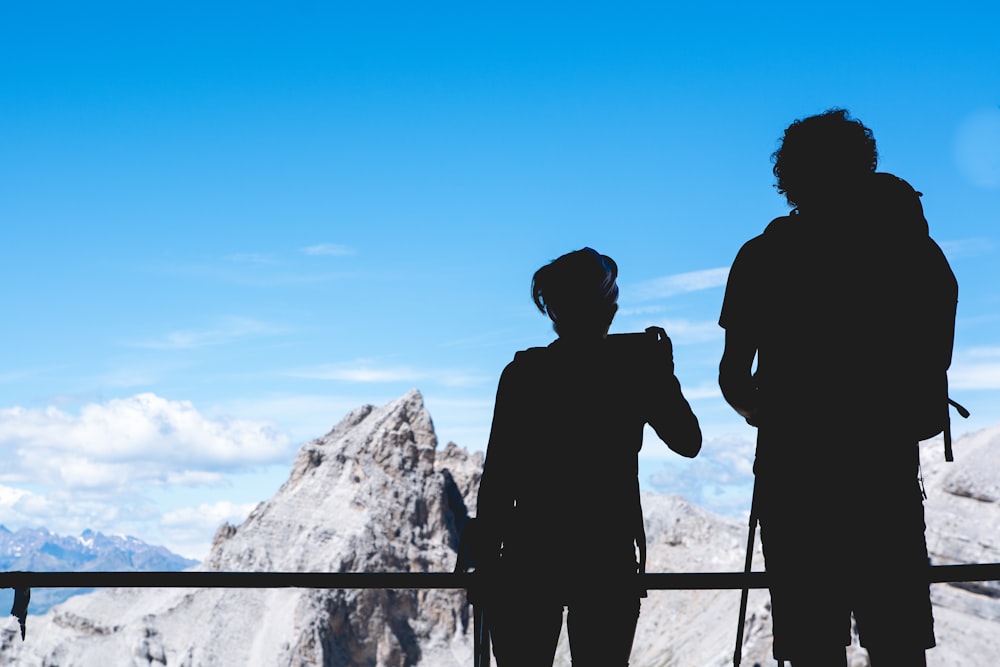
x=560 y=484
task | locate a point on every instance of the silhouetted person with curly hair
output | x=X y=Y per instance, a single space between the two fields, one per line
x=559 y=500
x=840 y=303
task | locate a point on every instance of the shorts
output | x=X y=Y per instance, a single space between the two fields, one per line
x=855 y=548
x=525 y=629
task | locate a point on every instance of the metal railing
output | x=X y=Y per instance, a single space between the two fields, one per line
x=23 y=582
x=962 y=573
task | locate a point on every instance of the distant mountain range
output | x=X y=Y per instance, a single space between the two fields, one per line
x=38 y=550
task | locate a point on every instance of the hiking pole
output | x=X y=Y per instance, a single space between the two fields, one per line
x=738 y=653
x=481 y=637
x=468 y=547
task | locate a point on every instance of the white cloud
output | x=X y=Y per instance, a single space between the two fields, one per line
x=189 y=530
x=359 y=371
x=683 y=331
x=975 y=368
x=102 y=467
x=984 y=352
x=639 y=310
x=681 y=283
x=720 y=478
x=227 y=331
x=974 y=376
x=195 y=478
x=124 y=444
x=329 y=249
x=463 y=379
x=966 y=247
x=702 y=391
x=70 y=512
x=9 y=496
x=207 y=514
x=369 y=371
x=302 y=416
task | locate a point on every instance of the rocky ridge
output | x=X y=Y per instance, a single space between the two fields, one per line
x=377 y=494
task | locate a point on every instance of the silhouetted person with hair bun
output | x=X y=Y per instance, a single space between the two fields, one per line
x=559 y=500
x=843 y=304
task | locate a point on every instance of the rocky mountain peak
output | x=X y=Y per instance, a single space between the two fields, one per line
x=352 y=497
x=396 y=437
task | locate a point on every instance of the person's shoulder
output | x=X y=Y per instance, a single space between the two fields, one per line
x=775 y=234
x=526 y=365
x=780 y=226
x=529 y=355
x=527 y=359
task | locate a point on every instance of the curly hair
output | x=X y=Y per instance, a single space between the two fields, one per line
x=820 y=153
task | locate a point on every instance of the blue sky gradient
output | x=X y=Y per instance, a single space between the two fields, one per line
x=227 y=225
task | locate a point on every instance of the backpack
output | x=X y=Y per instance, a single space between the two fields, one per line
x=912 y=290
x=895 y=202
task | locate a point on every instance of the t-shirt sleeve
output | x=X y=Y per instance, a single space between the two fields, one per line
x=739 y=308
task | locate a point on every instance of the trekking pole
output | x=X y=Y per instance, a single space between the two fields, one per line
x=738 y=653
x=466 y=562
x=481 y=637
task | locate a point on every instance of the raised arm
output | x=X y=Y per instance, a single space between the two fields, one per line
x=668 y=412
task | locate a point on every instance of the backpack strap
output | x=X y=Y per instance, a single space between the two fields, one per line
x=948 y=454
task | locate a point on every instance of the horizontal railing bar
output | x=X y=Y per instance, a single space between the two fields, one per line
x=410 y=580
x=941 y=574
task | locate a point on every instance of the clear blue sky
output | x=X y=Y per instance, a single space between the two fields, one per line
x=225 y=225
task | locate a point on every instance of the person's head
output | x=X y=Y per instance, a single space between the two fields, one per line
x=579 y=292
x=822 y=157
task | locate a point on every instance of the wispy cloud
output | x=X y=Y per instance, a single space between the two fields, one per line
x=681 y=283
x=702 y=391
x=506 y=338
x=329 y=249
x=973 y=247
x=975 y=369
x=983 y=352
x=227 y=331
x=720 y=478
x=187 y=527
x=359 y=371
x=253 y=270
x=17 y=375
x=688 y=332
x=371 y=371
x=639 y=310
x=974 y=376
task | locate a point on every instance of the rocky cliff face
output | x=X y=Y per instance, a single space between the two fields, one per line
x=377 y=494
